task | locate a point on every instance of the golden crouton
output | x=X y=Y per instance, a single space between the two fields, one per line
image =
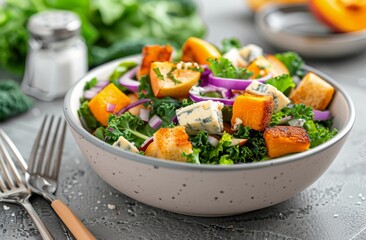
x=313 y=91
x=282 y=140
x=153 y=53
x=252 y=111
x=170 y=143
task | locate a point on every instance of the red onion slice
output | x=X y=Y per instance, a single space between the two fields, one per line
x=127 y=80
x=233 y=83
x=89 y=94
x=144 y=114
x=102 y=84
x=132 y=105
x=321 y=115
x=146 y=143
x=213 y=141
x=110 y=107
x=155 y=121
x=194 y=94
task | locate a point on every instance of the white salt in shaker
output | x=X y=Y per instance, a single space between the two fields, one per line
x=57 y=56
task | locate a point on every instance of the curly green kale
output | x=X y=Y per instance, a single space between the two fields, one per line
x=293 y=62
x=225 y=153
x=225 y=69
x=12 y=100
x=131 y=127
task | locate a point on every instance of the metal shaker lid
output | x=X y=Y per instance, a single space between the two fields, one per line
x=54 y=25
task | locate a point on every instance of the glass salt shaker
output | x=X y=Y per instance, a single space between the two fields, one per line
x=57 y=55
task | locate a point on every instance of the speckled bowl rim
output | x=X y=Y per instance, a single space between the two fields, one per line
x=76 y=126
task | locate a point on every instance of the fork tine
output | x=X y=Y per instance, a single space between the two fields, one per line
x=57 y=162
x=11 y=164
x=7 y=175
x=45 y=147
x=33 y=165
x=49 y=158
x=14 y=150
x=3 y=187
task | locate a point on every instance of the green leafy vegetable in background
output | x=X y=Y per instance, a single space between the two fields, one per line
x=111 y=28
x=12 y=100
x=293 y=62
x=225 y=69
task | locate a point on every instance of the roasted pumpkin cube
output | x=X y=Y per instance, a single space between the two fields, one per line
x=252 y=111
x=282 y=140
x=198 y=50
x=313 y=91
x=260 y=67
x=173 y=80
x=153 y=53
x=108 y=95
x=170 y=144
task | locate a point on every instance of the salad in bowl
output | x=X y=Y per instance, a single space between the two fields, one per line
x=209 y=105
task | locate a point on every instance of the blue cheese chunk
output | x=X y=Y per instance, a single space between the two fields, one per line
x=122 y=143
x=279 y=99
x=202 y=116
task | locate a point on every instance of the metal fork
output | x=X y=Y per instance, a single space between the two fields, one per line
x=13 y=188
x=42 y=174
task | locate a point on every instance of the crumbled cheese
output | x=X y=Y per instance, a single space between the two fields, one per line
x=6 y=207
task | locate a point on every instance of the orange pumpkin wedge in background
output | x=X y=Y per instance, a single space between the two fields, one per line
x=108 y=95
x=168 y=80
x=198 y=50
x=256 y=5
x=340 y=15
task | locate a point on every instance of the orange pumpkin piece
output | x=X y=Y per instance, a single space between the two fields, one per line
x=252 y=111
x=256 y=5
x=174 y=80
x=170 y=144
x=313 y=91
x=198 y=50
x=340 y=15
x=277 y=67
x=153 y=53
x=282 y=140
x=108 y=95
x=261 y=66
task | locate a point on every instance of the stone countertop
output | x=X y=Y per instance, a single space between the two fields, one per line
x=333 y=207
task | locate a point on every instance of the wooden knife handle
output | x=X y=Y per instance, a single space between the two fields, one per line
x=72 y=222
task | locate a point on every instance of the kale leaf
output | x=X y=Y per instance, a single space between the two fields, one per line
x=87 y=118
x=131 y=127
x=225 y=69
x=224 y=153
x=12 y=100
x=283 y=83
x=295 y=111
x=293 y=62
x=229 y=43
x=318 y=133
x=163 y=107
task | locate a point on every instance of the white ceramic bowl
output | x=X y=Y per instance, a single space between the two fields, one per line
x=206 y=190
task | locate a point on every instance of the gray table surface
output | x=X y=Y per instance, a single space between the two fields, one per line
x=334 y=207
